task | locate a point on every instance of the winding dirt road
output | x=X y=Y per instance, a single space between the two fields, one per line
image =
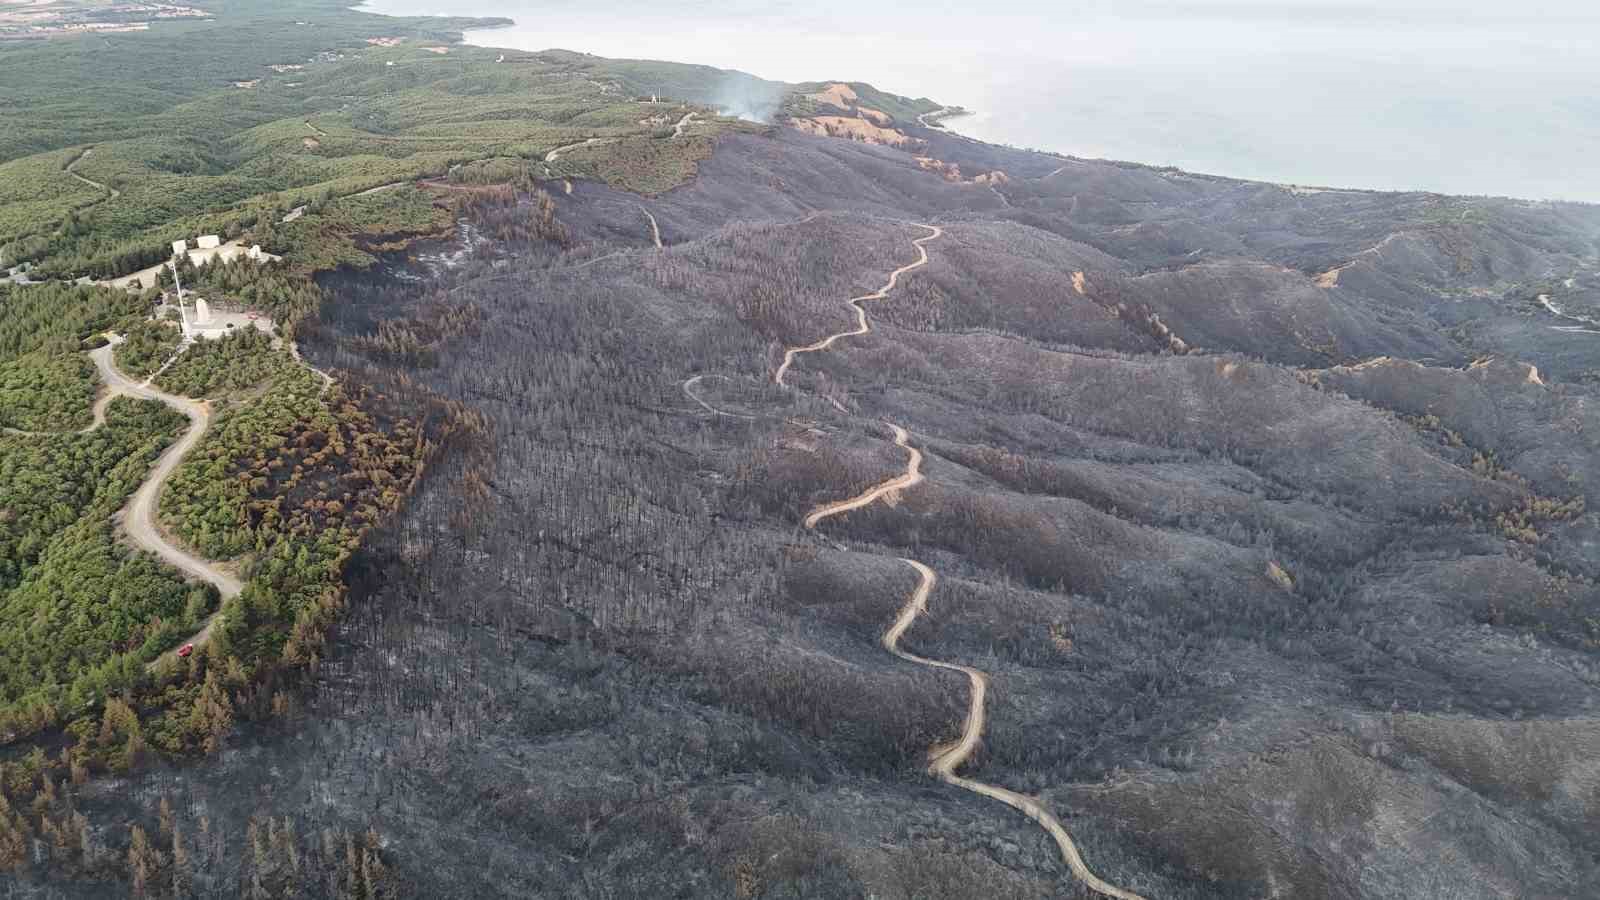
x=138 y=516
x=862 y=325
x=685 y=122
x=913 y=476
x=689 y=391
x=943 y=759
x=71 y=169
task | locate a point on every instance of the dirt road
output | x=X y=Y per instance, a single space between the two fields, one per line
x=862 y=325
x=685 y=122
x=555 y=154
x=913 y=476
x=1586 y=325
x=138 y=517
x=299 y=211
x=100 y=405
x=689 y=391
x=655 y=230
x=943 y=759
x=327 y=380
x=71 y=169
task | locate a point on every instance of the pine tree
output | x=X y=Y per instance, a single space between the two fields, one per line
x=164 y=816
x=139 y=861
x=182 y=868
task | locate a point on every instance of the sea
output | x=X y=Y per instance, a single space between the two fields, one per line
x=1478 y=97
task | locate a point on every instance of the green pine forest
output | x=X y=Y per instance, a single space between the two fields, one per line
x=115 y=146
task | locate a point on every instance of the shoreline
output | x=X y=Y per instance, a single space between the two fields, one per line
x=938 y=117
x=996 y=118
x=494 y=24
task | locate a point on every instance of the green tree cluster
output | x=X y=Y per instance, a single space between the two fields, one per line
x=79 y=613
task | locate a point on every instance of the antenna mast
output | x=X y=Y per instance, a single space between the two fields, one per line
x=183 y=316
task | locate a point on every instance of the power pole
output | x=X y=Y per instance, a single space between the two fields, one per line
x=182 y=315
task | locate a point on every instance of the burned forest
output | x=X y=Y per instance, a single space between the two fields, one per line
x=1267 y=518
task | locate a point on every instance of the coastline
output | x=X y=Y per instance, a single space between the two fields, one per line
x=938 y=117
x=1118 y=109
x=485 y=37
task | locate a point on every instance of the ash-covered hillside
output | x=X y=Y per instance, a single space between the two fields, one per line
x=1267 y=511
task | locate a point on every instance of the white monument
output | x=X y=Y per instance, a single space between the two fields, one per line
x=179 y=248
x=208 y=242
x=255 y=252
x=202 y=312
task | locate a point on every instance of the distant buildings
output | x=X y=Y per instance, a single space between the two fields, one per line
x=208 y=247
x=206 y=250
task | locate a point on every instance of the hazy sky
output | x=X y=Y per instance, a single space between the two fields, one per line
x=1462 y=96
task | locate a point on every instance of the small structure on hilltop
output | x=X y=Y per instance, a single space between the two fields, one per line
x=202 y=311
x=208 y=248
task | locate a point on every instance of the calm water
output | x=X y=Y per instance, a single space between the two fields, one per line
x=1458 y=96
